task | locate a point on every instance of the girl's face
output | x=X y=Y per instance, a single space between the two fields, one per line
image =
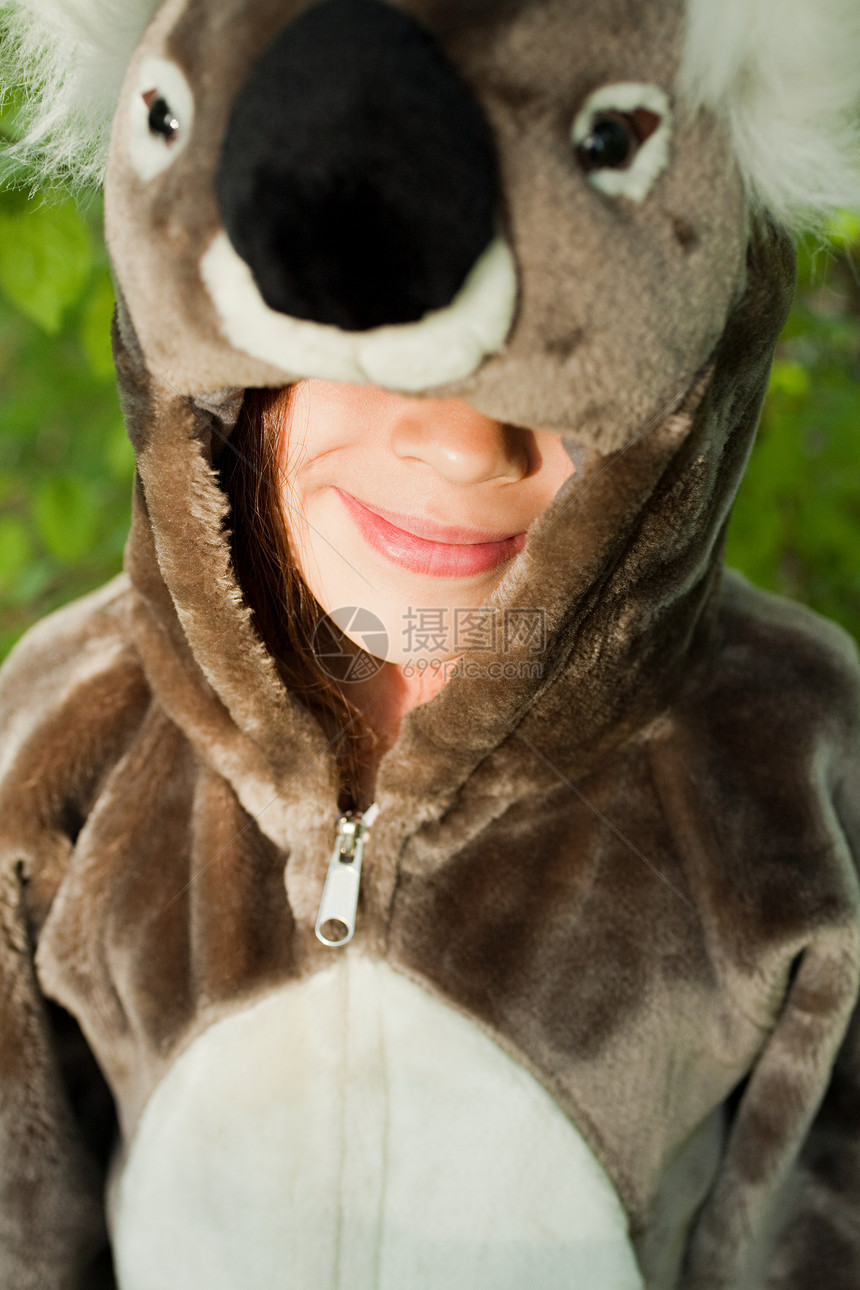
x=410 y=510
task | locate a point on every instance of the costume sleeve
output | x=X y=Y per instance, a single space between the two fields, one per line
x=818 y=1240
x=51 y=1225
x=817 y=1232
x=785 y=1213
x=68 y=694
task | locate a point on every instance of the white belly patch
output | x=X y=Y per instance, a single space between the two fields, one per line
x=352 y=1132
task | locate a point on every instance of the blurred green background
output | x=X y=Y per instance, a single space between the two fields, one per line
x=65 y=462
x=66 y=466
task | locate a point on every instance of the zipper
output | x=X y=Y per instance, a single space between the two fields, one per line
x=335 y=925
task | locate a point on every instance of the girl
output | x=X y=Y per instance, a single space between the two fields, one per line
x=442 y=867
x=299 y=463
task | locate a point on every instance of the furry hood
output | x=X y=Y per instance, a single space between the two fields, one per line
x=633 y=306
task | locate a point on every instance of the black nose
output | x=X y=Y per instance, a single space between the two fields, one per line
x=358 y=177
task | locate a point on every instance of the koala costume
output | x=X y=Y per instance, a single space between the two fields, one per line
x=597 y=1026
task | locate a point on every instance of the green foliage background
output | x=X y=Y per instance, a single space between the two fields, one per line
x=66 y=466
x=796 y=524
x=65 y=461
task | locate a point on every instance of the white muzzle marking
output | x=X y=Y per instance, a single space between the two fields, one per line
x=446 y=345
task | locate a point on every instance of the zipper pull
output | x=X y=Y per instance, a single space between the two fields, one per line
x=335 y=924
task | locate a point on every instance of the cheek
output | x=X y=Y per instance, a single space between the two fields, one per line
x=557 y=464
x=324 y=547
x=302 y=527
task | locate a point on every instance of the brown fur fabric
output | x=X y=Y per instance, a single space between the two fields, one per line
x=636 y=873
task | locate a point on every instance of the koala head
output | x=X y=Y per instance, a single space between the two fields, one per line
x=541 y=206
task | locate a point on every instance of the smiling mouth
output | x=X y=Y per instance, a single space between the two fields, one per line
x=428 y=547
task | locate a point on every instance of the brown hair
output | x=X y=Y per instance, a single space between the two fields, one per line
x=286 y=613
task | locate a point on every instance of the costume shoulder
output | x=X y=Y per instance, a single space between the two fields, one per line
x=71 y=694
x=806 y=668
x=769 y=732
x=760 y=778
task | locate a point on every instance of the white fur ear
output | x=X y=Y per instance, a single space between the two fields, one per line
x=69 y=57
x=785 y=76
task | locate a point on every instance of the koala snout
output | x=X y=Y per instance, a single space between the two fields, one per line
x=358 y=178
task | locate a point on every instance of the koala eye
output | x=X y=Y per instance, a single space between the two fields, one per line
x=620 y=138
x=615 y=138
x=162 y=119
x=162 y=109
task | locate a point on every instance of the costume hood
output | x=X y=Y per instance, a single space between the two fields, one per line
x=640 y=323
x=420 y=210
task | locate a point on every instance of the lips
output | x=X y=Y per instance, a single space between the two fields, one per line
x=439 y=550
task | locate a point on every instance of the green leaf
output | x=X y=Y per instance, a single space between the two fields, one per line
x=119 y=454
x=16 y=551
x=33 y=581
x=790 y=379
x=844 y=228
x=45 y=258
x=67 y=516
x=96 y=326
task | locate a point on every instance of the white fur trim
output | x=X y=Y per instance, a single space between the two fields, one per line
x=352 y=1132
x=70 y=57
x=636 y=180
x=447 y=345
x=785 y=75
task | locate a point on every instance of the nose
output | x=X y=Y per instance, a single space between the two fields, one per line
x=459 y=443
x=358 y=176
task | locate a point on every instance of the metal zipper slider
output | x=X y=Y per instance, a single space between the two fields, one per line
x=335 y=924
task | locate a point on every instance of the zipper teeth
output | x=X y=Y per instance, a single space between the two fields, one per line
x=335 y=922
